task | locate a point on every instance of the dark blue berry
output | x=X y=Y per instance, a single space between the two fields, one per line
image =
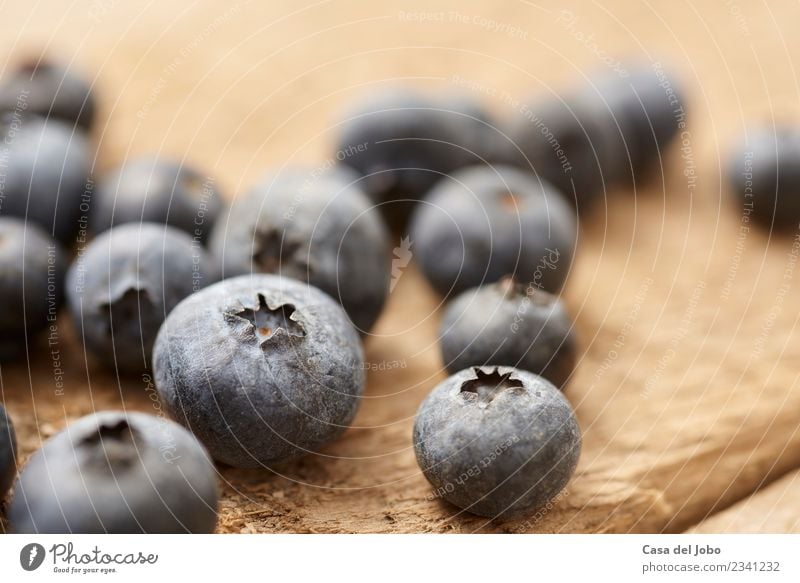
x=155 y=190
x=49 y=90
x=117 y=473
x=123 y=285
x=261 y=368
x=483 y=223
x=646 y=107
x=8 y=452
x=510 y=324
x=46 y=164
x=764 y=173
x=402 y=143
x=318 y=228
x=565 y=142
x=32 y=267
x=497 y=441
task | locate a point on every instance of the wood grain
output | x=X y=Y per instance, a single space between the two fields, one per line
x=687 y=391
x=775 y=509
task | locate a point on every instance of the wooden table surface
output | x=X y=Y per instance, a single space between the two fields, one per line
x=687 y=389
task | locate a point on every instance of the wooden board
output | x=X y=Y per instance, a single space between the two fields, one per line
x=775 y=509
x=687 y=389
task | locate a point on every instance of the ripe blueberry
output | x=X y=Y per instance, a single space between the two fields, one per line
x=261 y=368
x=564 y=142
x=315 y=228
x=46 y=164
x=509 y=324
x=483 y=223
x=124 y=285
x=646 y=108
x=153 y=190
x=497 y=441
x=47 y=89
x=8 y=452
x=764 y=174
x=402 y=143
x=118 y=473
x=32 y=268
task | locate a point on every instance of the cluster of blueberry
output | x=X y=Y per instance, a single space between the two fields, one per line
x=251 y=317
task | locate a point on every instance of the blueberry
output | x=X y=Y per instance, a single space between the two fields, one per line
x=764 y=175
x=32 y=268
x=402 y=143
x=125 y=283
x=155 y=190
x=508 y=323
x=646 y=107
x=484 y=222
x=8 y=452
x=47 y=89
x=261 y=368
x=315 y=228
x=497 y=441
x=478 y=131
x=565 y=142
x=46 y=165
x=118 y=473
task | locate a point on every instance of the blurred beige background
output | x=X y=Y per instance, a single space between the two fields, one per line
x=687 y=389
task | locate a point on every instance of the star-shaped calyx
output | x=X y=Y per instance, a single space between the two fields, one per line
x=131 y=305
x=486 y=386
x=267 y=323
x=273 y=252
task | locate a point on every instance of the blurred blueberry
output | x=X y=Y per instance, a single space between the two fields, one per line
x=32 y=268
x=485 y=222
x=46 y=165
x=123 y=285
x=150 y=189
x=402 y=142
x=510 y=324
x=8 y=452
x=314 y=227
x=566 y=143
x=764 y=174
x=47 y=89
x=118 y=473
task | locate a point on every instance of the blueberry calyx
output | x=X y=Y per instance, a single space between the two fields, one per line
x=267 y=323
x=487 y=386
x=113 y=445
x=511 y=288
x=271 y=251
x=125 y=306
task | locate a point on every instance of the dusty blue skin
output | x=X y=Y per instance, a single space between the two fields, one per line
x=46 y=168
x=8 y=452
x=562 y=140
x=403 y=142
x=497 y=441
x=32 y=267
x=262 y=369
x=51 y=91
x=764 y=175
x=319 y=229
x=117 y=473
x=125 y=283
x=484 y=223
x=509 y=324
x=644 y=111
x=157 y=190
